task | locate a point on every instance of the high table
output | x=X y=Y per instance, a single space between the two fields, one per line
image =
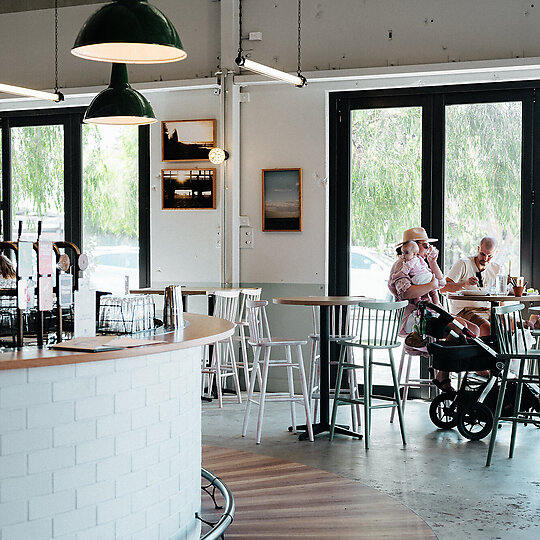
x=324 y=365
x=495 y=299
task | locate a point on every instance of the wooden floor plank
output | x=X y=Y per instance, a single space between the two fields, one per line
x=280 y=499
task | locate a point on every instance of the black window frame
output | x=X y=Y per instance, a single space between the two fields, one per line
x=433 y=101
x=72 y=120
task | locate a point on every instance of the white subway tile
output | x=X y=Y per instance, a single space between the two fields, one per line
x=129 y=400
x=51 y=505
x=113 y=424
x=72 y=522
x=150 y=533
x=168 y=488
x=131 y=526
x=93 y=407
x=24 y=395
x=129 y=483
x=113 y=467
x=32 y=485
x=12 y=419
x=130 y=441
x=113 y=382
x=51 y=373
x=14 y=465
x=14 y=376
x=145 y=376
x=75 y=389
x=91 y=369
x=95 y=493
x=122 y=364
x=74 y=477
x=51 y=459
x=168 y=527
x=26 y=441
x=168 y=449
x=157 y=512
x=101 y=532
x=145 y=417
x=145 y=457
x=39 y=529
x=157 y=393
x=158 y=473
x=94 y=450
x=51 y=414
x=158 y=432
x=144 y=499
x=168 y=410
x=114 y=509
x=13 y=512
x=74 y=433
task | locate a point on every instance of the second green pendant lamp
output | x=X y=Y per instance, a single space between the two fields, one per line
x=126 y=32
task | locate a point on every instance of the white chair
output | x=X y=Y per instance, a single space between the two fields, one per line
x=222 y=362
x=261 y=341
x=242 y=324
x=343 y=322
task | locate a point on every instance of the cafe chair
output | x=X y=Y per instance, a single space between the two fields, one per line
x=262 y=343
x=242 y=325
x=512 y=343
x=378 y=329
x=343 y=321
x=220 y=362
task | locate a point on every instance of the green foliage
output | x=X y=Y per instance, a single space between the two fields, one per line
x=482 y=177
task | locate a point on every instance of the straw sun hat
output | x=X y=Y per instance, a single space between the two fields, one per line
x=417 y=234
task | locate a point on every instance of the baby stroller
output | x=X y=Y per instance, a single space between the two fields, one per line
x=468 y=408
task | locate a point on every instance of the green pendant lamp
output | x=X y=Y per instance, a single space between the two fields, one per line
x=131 y=32
x=119 y=104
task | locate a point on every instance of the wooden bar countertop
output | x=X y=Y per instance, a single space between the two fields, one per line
x=201 y=330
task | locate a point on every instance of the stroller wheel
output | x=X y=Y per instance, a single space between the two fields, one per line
x=475 y=421
x=442 y=411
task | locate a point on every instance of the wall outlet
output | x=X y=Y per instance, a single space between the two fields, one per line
x=246 y=237
x=255 y=36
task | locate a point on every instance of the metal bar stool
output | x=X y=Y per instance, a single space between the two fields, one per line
x=378 y=329
x=510 y=336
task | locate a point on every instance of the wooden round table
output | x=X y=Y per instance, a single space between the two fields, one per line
x=324 y=302
x=495 y=299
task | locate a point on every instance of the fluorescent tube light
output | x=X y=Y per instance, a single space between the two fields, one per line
x=270 y=72
x=28 y=92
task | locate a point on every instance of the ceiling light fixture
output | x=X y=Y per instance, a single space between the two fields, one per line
x=119 y=104
x=29 y=92
x=218 y=155
x=131 y=32
x=298 y=80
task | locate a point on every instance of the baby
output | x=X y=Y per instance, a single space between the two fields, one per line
x=416 y=268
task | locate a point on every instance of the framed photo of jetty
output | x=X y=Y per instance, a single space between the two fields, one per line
x=282 y=199
x=184 y=189
x=187 y=140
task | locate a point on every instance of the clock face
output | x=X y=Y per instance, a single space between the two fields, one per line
x=82 y=261
x=64 y=262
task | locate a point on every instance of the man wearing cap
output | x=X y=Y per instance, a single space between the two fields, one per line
x=474 y=272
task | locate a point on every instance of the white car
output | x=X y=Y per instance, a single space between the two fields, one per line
x=369 y=273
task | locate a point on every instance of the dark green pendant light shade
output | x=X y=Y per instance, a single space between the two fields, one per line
x=129 y=31
x=119 y=104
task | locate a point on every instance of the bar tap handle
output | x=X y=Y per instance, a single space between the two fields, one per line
x=39 y=229
x=19 y=233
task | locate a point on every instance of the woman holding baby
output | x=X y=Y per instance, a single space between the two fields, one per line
x=416 y=276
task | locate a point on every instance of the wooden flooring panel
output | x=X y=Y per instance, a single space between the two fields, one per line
x=280 y=499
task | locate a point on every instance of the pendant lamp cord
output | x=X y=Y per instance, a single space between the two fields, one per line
x=299 y=71
x=60 y=95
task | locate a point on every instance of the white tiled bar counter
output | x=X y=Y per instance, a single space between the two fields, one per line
x=104 y=449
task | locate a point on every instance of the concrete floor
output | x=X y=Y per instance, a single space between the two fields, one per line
x=439 y=474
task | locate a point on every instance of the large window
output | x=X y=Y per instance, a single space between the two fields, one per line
x=87 y=184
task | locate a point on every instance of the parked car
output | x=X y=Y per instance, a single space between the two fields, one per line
x=109 y=266
x=369 y=272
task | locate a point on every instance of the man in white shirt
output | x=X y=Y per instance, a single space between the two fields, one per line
x=475 y=272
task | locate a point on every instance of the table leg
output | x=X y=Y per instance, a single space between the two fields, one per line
x=324 y=368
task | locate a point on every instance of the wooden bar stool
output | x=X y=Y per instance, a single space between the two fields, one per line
x=378 y=329
x=512 y=343
x=261 y=341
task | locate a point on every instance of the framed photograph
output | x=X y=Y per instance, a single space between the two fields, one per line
x=282 y=199
x=187 y=140
x=188 y=189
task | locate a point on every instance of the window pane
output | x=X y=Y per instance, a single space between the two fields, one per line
x=111 y=205
x=37 y=169
x=483 y=180
x=386 y=153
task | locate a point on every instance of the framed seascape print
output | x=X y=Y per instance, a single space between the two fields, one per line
x=187 y=140
x=282 y=199
x=188 y=189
